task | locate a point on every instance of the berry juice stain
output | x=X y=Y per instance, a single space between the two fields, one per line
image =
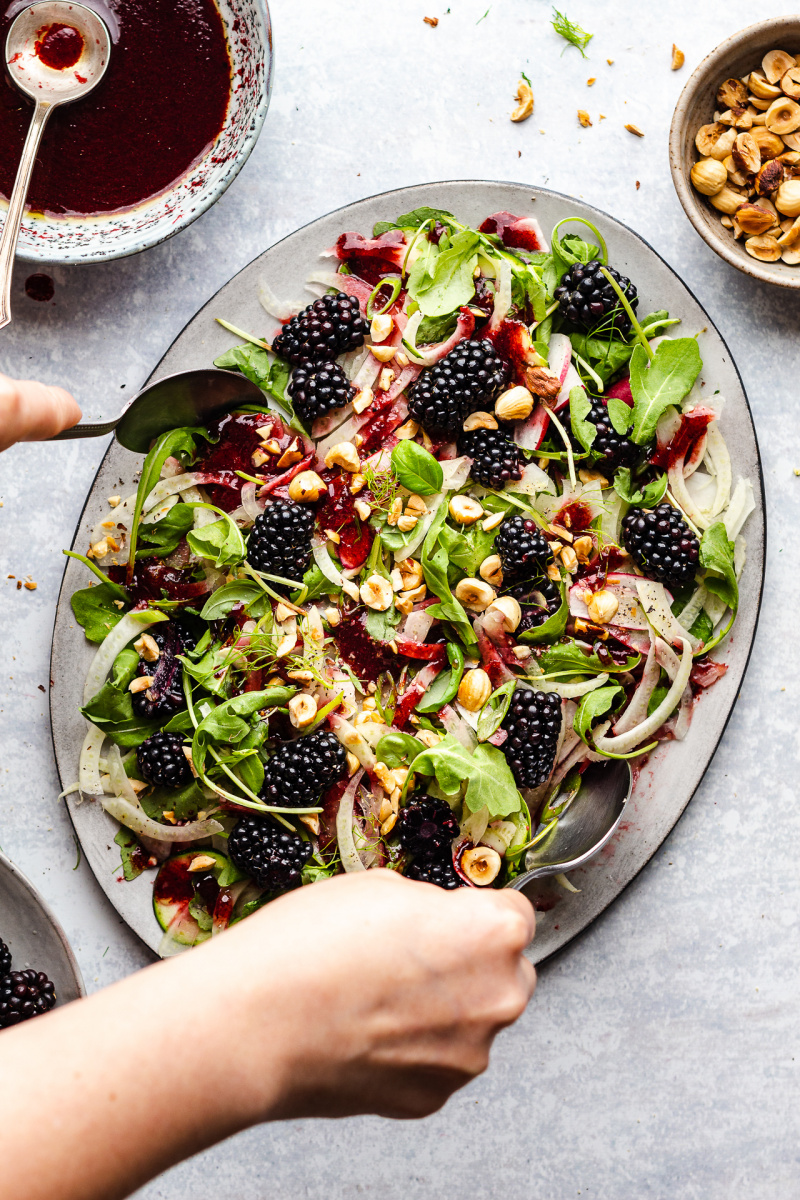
x=39 y=287
x=157 y=110
x=59 y=46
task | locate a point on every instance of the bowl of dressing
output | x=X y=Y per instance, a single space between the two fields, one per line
x=156 y=143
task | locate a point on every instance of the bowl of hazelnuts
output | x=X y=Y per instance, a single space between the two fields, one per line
x=735 y=150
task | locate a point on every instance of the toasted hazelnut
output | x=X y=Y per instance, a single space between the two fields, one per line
x=515 y=404
x=99 y=549
x=333 y=536
x=759 y=105
x=395 y=511
x=479 y=420
x=345 y=455
x=776 y=63
x=385 y=380
x=714 y=141
x=407 y=522
x=769 y=178
x=407 y=431
x=791 y=141
x=388 y=825
x=754 y=219
x=709 y=176
x=415 y=504
x=283 y=612
x=583 y=547
x=739 y=118
x=783 y=116
x=474 y=594
x=769 y=144
x=512 y=613
x=790 y=236
x=351 y=589
x=428 y=737
x=570 y=559
x=363 y=400
x=726 y=201
x=492 y=521
x=584 y=118
x=791 y=256
x=401 y=358
x=524 y=98
x=732 y=93
x=383 y=354
x=481 y=865
x=380 y=327
x=302 y=710
x=586 y=475
x=746 y=154
x=311 y=822
x=332 y=616
x=301 y=676
x=474 y=690
x=491 y=569
x=678 y=58
x=403 y=605
x=416 y=594
x=411 y=572
x=140 y=684
x=376 y=592
x=764 y=248
x=634 y=129
x=602 y=606
x=357 y=483
x=306 y=487
x=259 y=457
x=787 y=198
x=761 y=88
x=201 y=862
x=725 y=221
x=465 y=510
x=352 y=764
x=790 y=83
x=147 y=648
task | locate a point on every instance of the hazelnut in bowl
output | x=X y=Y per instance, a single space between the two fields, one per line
x=734 y=150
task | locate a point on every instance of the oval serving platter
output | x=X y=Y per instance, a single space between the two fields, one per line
x=668 y=780
x=34 y=936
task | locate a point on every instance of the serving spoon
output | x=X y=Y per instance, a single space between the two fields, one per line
x=187 y=398
x=588 y=823
x=49 y=87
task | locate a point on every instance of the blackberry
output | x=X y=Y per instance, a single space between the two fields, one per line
x=24 y=994
x=326 y=328
x=300 y=770
x=272 y=856
x=538 y=602
x=615 y=449
x=662 y=544
x=586 y=298
x=162 y=761
x=427 y=827
x=280 y=542
x=468 y=378
x=438 y=870
x=533 y=722
x=164 y=697
x=5 y=959
x=318 y=387
x=523 y=549
x=495 y=456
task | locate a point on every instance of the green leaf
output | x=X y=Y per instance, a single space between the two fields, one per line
x=445 y=281
x=381 y=626
x=110 y=706
x=579 y=407
x=664 y=382
x=222 y=542
x=123 y=668
x=659 y=694
x=467 y=547
x=164 y=536
x=130 y=852
x=568 y=656
x=606 y=356
x=647 y=497
x=416 y=468
x=593 y=705
x=703 y=627
x=96 y=611
x=241 y=591
x=436 y=329
x=434 y=561
x=553 y=628
x=179 y=443
x=716 y=555
x=619 y=414
x=440 y=692
x=398 y=750
x=494 y=710
x=212 y=670
x=226 y=724
x=418 y=216
x=185 y=802
x=485 y=771
x=253 y=361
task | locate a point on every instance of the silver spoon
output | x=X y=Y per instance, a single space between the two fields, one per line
x=188 y=398
x=589 y=822
x=48 y=87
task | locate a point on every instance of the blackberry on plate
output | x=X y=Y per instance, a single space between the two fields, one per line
x=533 y=722
x=5 y=959
x=318 y=387
x=164 y=697
x=468 y=378
x=280 y=541
x=24 y=994
x=538 y=602
x=329 y=326
x=272 y=856
x=523 y=549
x=616 y=449
x=162 y=761
x=427 y=827
x=436 y=870
x=662 y=544
x=300 y=770
x=495 y=456
x=586 y=298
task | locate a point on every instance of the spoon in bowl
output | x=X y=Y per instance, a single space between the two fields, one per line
x=56 y=52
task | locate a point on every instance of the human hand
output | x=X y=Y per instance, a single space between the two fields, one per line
x=31 y=411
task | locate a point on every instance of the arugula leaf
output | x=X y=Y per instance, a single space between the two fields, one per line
x=571 y=31
x=226 y=722
x=593 y=705
x=212 y=670
x=716 y=555
x=416 y=468
x=165 y=535
x=381 y=626
x=485 y=770
x=447 y=283
x=647 y=497
x=123 y=668
x=179 y=443
x=222 y=542
x=664 y=382
x=568 y=656
x=494 y=710
x=553 y=628
x=436 y=329
x=528 y=288
x=130 y=852
x=466 y=548
x=398 y=749
x=440 y=692
x=241 y=591
x=185 y=802
x=95 y=610
x=434 y=561
x=619 y=414
x=579 y=407
x=606 y=356
x=112 y=711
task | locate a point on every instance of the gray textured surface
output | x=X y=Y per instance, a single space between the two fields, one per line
x=658 y=1057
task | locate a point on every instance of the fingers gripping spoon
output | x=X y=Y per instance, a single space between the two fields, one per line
x=56 y=52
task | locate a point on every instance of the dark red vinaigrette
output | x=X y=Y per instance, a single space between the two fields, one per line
x=160 y=105
x=59 y=46
x=39 y=287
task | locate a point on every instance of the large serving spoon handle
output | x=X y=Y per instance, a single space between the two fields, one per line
x=16 y=206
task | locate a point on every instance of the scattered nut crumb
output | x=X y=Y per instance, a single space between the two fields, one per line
x=591 y=81
x=584 y=117
x=19 y=584
x=524 y=98
x=678 y=58
x=114 y=501
x=602 y=116
x=638 y=185
x=30 y=585
x=610 y=62
x=634 y=129
x=432 y=21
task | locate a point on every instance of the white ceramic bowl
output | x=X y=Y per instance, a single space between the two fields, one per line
x=86 y=239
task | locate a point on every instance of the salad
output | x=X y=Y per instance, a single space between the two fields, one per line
x=481 y=533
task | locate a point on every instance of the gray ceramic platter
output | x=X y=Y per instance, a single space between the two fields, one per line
x=666 y=784
x=34 y=936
